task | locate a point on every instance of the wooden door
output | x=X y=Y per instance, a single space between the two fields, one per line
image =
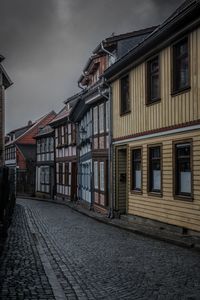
x=121 y=180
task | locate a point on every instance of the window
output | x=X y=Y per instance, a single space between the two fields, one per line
x=51 y=146
x=101 y=118
x=60 y=172
x=96 y=177
x=181 y=65
x=153 y=80
x=66 y=173
x=73 y=134
x=183 y=169
x=66 y=135
x=59 y=136
x=155 y=169
x=125 y=95
x=136 y=170
x=102 y=176
x=95 y=120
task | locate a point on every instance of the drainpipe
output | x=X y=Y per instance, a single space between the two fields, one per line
x=106 y=51
x=110 y=150
x=79 y=85
x=110 y=157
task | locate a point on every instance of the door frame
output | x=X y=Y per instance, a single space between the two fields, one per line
x=117 y=150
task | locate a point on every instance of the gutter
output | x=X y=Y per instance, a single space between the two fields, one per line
x=147 y=47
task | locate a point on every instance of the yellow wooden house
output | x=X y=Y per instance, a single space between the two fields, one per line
x=155 y=103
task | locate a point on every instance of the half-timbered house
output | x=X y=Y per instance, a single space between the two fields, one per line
x=65 y=152
x=92 y=115
x=20 y=153
x=45 y=179
x=156 y=124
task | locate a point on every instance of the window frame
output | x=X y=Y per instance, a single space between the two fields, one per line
x=137 y=191
x=149 y=100
x=149 y=191
x=175 y=90
x=182 y=196
x=96 y=175
x=128 y=110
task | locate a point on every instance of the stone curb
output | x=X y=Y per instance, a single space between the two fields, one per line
x=186 y=242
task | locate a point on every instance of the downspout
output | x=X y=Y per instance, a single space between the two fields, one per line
x=106 y=51
x=110 y=157
x=79 y=85
x=110 y=150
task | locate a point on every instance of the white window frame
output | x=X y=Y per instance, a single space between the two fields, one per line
x=101 y=118
x=96 y=177
x=102 y=173
x=95 y=120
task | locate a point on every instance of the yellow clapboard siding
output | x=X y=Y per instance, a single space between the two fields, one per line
x=171 y=221
x=183 y=212
x=172 y=110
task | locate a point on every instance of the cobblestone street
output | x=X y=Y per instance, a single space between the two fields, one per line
x=53 y=252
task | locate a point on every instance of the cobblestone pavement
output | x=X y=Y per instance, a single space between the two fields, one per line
x=85 y=259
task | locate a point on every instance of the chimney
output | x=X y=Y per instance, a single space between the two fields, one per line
x=29 y=123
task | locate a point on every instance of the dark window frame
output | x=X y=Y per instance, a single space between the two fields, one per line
x=177 y=194
x=127 y=109
x=149 y=74
x=175 y=70
x=132 y=189
x=150 y=191
x=60 y=173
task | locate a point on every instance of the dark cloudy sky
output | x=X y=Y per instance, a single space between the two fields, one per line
x=47 y=42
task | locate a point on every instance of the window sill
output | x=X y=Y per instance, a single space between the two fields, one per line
x=136 y=192
x=155 y=194
x=156 y=101
x=183 y=198
x=180 y=91
x=125 y=113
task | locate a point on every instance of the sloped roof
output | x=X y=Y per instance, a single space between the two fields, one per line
x=35 y=124
x=47 y=130
x=65 y=112
x=122 y=42
x=6 y=79
x=28 y=151
x=189 y=10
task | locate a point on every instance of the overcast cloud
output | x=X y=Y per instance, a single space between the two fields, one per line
x=47 y=42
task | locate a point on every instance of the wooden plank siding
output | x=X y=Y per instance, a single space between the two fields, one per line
x=171 y=110
x=166 y=208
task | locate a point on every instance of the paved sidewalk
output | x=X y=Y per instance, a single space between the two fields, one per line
x=179 y=239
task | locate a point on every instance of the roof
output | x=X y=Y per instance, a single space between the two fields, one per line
x=1 y=58
x=28 y=151
x=20 y=130
x=45 y=131
x=34 y=125
x=124 y=36
x=6 y=79
x=65 y=112
x=123 y=42
x=79 y=110
x=186 y=13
